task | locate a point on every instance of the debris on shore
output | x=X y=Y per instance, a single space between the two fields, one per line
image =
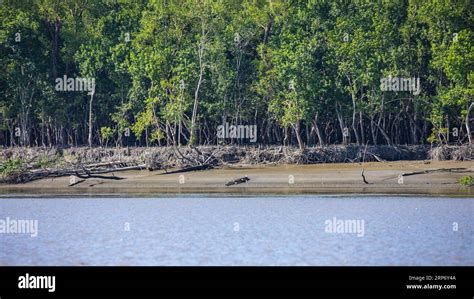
x=24 y=164
x=238 y=181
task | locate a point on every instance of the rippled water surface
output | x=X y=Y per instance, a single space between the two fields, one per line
x=257 y=230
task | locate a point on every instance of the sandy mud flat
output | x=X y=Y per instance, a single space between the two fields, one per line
x=337 y=178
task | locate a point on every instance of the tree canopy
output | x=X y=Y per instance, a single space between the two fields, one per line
x=169 y=72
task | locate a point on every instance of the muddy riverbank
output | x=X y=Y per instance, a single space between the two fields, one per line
x=330 y=178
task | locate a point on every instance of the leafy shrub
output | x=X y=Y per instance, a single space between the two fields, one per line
x=44 y=162
x=467 y=180
x=11 y=166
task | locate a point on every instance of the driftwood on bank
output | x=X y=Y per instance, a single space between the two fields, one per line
x=192 y=168
x=363 y=177
x=377 y=157
x=65 y=162
x=76 y=183
x=197 y=161
x=460 y=170
x=439 y=170
x=83 y=171
x=96 y=176
x=238 y=181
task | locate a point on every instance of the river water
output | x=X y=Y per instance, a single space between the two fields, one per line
x=239 y=230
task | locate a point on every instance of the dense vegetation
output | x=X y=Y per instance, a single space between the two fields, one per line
x=170 y=72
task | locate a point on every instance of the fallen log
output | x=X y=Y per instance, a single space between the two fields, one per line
x=192 y=168
x=85 y=172
x=436 y=170
x=107 y=164
x=238 y=181
x=108 y=170
x=75 y=183
x=93 y=176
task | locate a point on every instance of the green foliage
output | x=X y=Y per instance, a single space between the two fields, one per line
x=467 y=180
x=11 y=166
x=44 y=162
x=157 y=62
x=147 y=120
x=106 y=134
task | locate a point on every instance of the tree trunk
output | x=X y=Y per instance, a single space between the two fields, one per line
x=354 y=127
x=373 y=130
x=56 y=28
x=413 y=129
x=296 y=127
x=468 y=127
x=192 y=137
x=448 y=129
x=389 y=142
x=285 y=139
x=307 y=131
x=361 y=122
x=268 y=29
x=317 y=130
x=342 y=125
x=89 y=137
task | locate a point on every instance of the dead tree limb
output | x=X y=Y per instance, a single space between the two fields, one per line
x=377 y=157
x=192 y=168
x=76 y=183
x=93 y=176
x=459 y=170
x=183 y=157
x=363 y=177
